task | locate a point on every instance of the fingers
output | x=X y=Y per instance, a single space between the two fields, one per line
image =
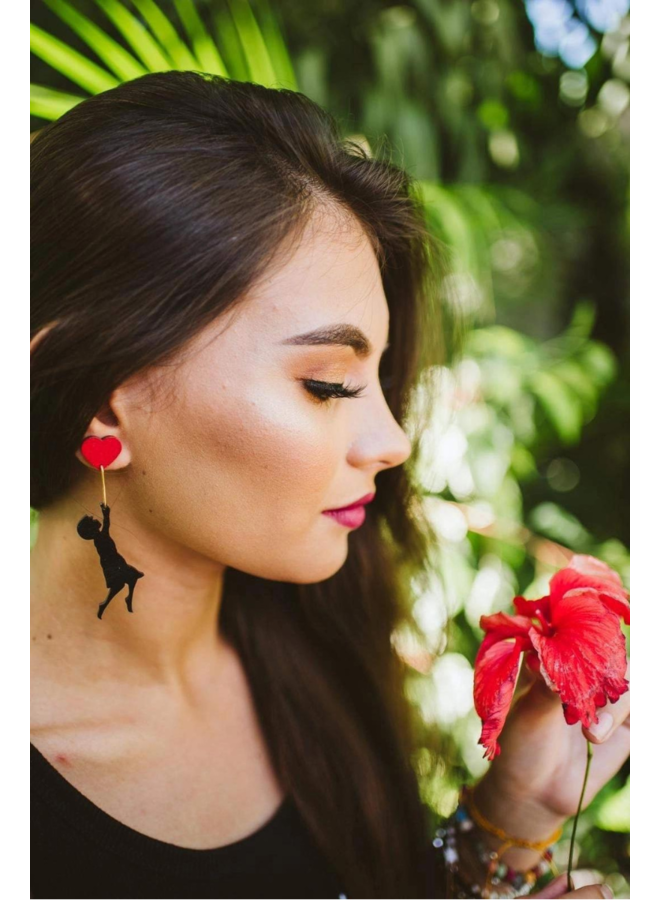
x=610 y=717
x=558 y=888
x=555 y=888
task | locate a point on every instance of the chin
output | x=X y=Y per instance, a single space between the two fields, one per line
x=323 y=567
x=316 y=575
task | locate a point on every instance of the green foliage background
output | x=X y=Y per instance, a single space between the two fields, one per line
x=523 y=167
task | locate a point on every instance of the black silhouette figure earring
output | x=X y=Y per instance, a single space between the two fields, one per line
x=100 y=452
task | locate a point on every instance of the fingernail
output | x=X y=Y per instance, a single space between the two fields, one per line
x=602 y=728
x=607 y=891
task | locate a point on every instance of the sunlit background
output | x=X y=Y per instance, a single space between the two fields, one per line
x=514 y=116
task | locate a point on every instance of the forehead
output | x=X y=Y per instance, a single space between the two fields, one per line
x=330 y=275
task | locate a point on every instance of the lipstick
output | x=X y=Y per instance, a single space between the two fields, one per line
x=353 y=515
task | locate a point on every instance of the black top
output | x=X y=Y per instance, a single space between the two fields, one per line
x=80 y=851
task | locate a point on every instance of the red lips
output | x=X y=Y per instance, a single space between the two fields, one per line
x=361 y=502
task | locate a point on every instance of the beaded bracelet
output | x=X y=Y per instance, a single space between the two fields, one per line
x=509 y=881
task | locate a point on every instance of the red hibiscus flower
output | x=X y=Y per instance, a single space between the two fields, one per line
x=572 y=638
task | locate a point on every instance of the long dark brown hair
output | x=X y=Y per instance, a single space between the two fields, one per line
x=155 y=206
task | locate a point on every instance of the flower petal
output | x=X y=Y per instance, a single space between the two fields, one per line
x=526 y=607
x=584 y=660
x=495 y=675
x=587 y=571
x=504 y=625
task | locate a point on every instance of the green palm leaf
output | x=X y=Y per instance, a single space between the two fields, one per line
x=230 y=45
x=276 y=46
x=254 y=47
x=69 y=62
x=136 y=36
x=49 y=104
x=116 y=58
x=202 y=42
x=167 y=34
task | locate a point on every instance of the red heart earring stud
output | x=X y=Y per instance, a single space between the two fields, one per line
x=100 y=452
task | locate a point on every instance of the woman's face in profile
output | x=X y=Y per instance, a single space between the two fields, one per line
x=233 y=456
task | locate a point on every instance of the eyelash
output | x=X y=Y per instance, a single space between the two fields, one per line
x=327 y=390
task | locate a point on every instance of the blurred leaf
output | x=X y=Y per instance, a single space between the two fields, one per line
x=418 y=140
x=560 y=404
x=582 y=319
x=575 y=377
x=49 y=104
x=450 y=20
x=451 y=221
x=116 y=58
x=524 y=87
x=170 y=41
x=557 y=523
x=69 y=62
x=599 y=361
x=277 y=48
x=254 y=47
x=202 y=42
x=523 y=463
x=136 y=35
x=499 y=341
x=493 y=114
x=229 y=45
x=614 y=812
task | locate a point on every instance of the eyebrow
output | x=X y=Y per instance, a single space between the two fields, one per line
x=343 y=335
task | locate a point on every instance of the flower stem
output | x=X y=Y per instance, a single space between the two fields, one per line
x=577 y=816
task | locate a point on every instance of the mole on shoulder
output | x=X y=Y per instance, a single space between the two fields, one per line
x=49 y=636
x=62 y=759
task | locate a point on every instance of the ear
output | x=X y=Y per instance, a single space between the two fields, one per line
x=105 y=422
x=109 y=421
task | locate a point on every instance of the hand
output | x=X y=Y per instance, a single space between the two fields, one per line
x=543 y=759
x=558 y=888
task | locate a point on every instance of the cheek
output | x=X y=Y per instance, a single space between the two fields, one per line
x=279 y=447
x=245 y=468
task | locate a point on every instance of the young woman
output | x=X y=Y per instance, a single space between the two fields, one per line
x=239 y=297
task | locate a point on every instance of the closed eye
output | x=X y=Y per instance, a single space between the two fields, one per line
x=326 y=390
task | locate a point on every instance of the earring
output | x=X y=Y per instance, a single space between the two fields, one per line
x=100 y=452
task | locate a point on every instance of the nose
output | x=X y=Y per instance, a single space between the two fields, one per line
x=380 y=442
